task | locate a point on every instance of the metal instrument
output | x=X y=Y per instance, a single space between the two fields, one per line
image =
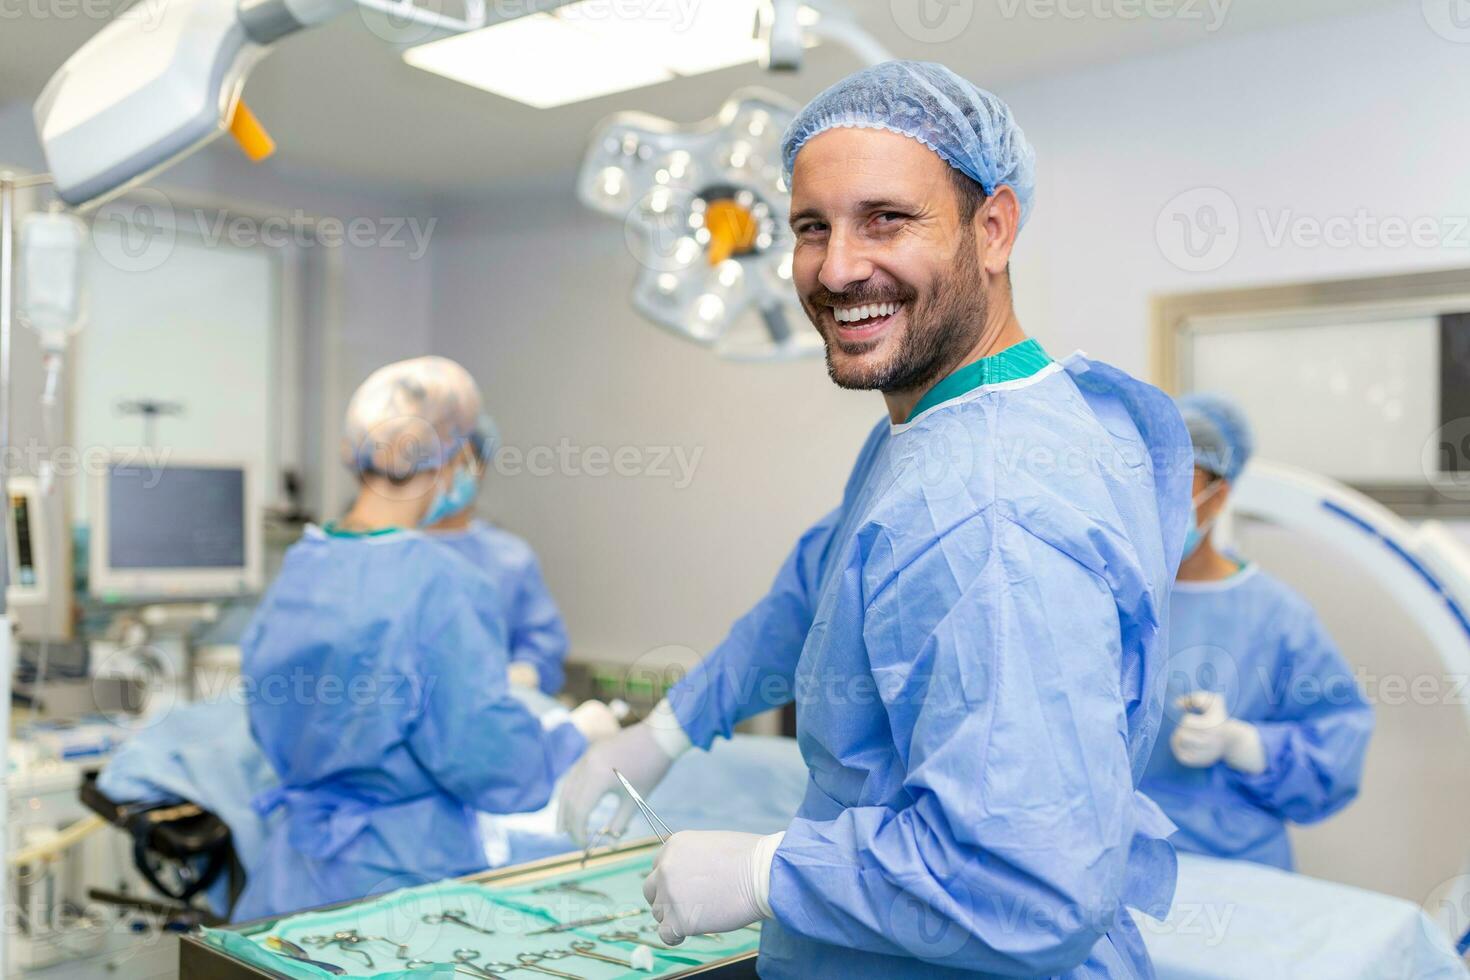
x=347 y=942
x=533 y=961
x=285 y=947
x=595 y=920
x=633 y=937
x=659 y=827
x=587 y=950
x=457 y=917
x=464 y=960
x=570 y=888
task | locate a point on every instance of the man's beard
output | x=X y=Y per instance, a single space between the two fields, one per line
x=942 y=328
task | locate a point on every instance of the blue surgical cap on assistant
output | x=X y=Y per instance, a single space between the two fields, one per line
x=970 y=129
x=1220 y=433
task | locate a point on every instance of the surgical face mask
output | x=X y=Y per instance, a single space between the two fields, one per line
x=1197 y=531
x=451 y=500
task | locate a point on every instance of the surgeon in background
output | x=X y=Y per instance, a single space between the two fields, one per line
x=536 y=635
x=1266 y=723
x=376 y=671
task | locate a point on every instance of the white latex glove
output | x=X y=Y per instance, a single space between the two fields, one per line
x=643 y=753
x=710 y=881
x=1207 y=734
x=523 y=674
x=595 y=721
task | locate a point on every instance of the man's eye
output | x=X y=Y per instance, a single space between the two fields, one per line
x=890 y=216
x=811 y=228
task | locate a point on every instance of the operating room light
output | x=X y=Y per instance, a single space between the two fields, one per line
x=594 y=47
x=704 y=210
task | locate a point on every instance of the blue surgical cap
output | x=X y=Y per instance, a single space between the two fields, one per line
x=970 y=129
x=1221 y=435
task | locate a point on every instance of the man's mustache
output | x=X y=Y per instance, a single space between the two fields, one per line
x=859 y=295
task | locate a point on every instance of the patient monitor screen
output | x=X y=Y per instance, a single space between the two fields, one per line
x=175 y=517
x=25 y=558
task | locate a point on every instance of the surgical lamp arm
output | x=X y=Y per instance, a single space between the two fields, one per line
x=784 y=24
x=139 y=96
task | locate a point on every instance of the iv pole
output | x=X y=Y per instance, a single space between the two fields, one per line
x=9 y=184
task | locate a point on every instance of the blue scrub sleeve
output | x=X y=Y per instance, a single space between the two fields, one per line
x=539 y=636
x=471 y=735
x=1012 y=857
x=752 y=670
x=1317 y=737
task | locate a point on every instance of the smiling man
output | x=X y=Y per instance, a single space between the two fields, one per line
x=974 y=637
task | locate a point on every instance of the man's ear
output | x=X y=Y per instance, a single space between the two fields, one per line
x=997 y=223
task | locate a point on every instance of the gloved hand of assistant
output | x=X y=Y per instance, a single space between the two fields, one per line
x=643 y=753
x=595 y=720
x=710 y=881
x=523 y=674
x=1206 y=734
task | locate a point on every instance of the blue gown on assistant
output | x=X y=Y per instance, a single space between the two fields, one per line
x=1252 y=640
x=377 y=689
x=534 y=627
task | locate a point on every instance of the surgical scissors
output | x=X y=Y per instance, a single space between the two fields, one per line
x=456 y=916
x=583 y=948
x=595 y=920
x=347 y=942
x=569 y=888
x=465 y=959
x=532 y=961
x=631 y=937
x=607 y=834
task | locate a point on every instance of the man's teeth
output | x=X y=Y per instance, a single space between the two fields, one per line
x=852 y=314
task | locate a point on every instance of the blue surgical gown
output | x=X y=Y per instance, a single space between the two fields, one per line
x=1252 y=640
x=376 y=685
x=537 y=635
x=974 y=643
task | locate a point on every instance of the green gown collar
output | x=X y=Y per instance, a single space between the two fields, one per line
x=332 y=530
x=1012 y=364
